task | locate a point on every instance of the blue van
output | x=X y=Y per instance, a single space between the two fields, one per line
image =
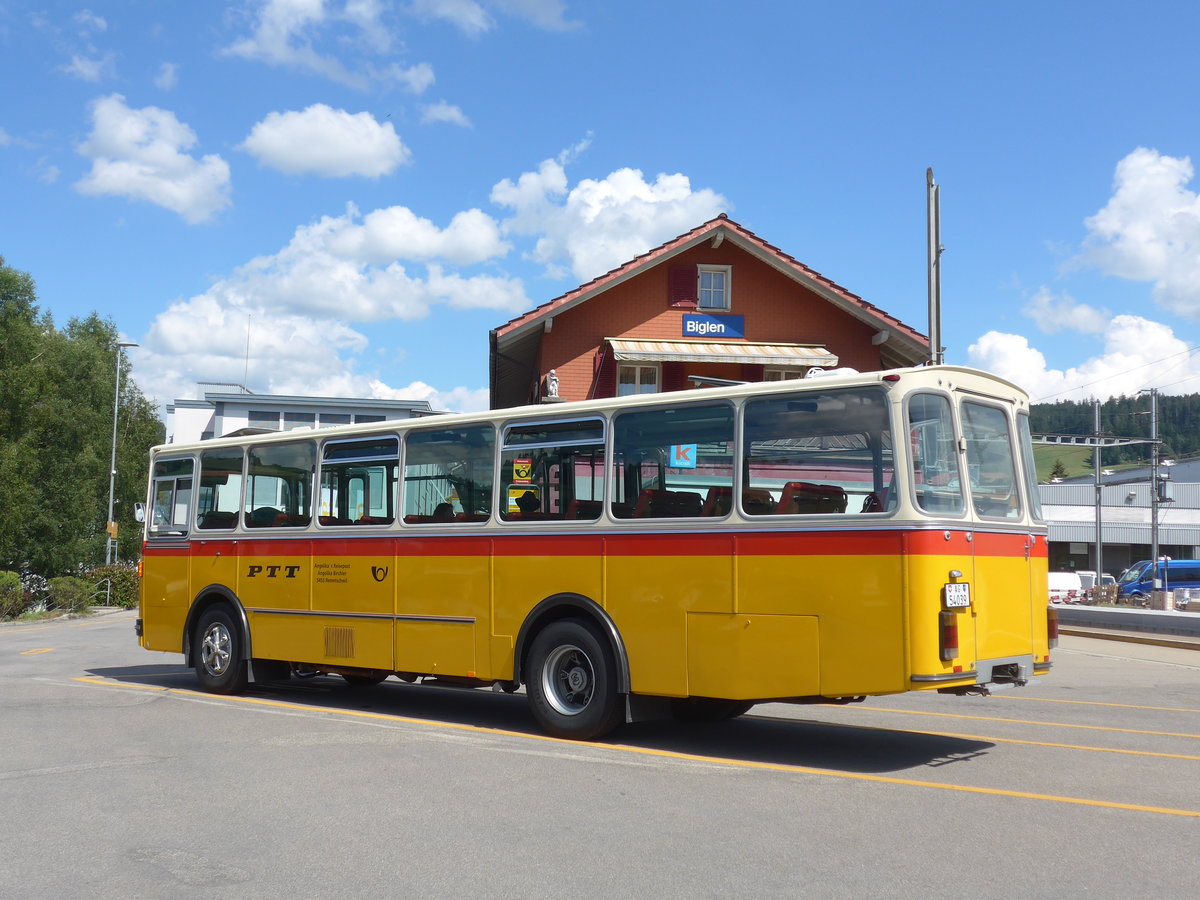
x=1138 y=579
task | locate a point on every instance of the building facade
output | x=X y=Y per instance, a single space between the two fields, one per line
x=230 y=407
x=715 y=304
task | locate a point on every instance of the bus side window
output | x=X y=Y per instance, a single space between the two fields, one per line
x=673 y=462
x=220 y=495
x=816 y=453
x=448 y=467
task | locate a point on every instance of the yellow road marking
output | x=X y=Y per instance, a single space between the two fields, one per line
x=665 y=754
x=1098 y=703
x=917 y=712
x=38 y=650
x=1000 y=740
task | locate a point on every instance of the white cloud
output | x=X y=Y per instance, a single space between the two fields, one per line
x=167 y=77
x=467 y=15
x=547 y=14
x=1137 y=354
x=1063 y=313
x=414 y=79
x=87 y=68
x=5 y=138
x=87 y=19
x=444 y=112
x=317 y=35
x=325 y=141
x=138 y=153
x=395 y=232
x=473 y=19
x=598 y=225
x=1150 y=229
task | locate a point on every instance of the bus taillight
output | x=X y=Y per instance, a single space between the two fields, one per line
x=948 y=627
x=1052 y=627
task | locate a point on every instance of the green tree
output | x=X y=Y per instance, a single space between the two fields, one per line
x=1058 y=470
x=56 y=407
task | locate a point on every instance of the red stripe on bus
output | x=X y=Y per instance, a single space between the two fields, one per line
x=631 y=544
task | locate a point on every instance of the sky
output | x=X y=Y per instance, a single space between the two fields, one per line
x=342 y=197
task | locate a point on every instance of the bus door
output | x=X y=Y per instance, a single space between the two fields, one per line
x=943 y=584
x=165 y=559
x=442 y=572
x=1002 y=603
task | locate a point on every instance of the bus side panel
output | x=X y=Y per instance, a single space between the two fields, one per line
x=530 y=568
x=164 y=597
x=849 y=582
x=932 y=557
x=750 y=657
x=652 y=583
x=443 y=603
x=354 y=576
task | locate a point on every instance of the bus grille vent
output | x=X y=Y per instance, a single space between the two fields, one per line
x=339 y=642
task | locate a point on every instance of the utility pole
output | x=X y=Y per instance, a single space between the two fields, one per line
x=934 y=218
x=1099 y=499
x=1153 y=392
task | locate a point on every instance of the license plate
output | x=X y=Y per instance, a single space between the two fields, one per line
x=958 y=596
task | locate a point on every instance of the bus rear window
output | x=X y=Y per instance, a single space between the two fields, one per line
x=818 y=454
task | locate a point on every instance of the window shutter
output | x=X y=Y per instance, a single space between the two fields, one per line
x=672 y=376
x=681 y=287
x=604 y=374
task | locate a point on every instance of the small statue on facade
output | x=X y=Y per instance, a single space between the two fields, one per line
x=552 y=385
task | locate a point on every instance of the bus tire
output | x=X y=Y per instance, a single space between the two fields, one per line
x=217 y=651
x=697 y=710
x=572 y=682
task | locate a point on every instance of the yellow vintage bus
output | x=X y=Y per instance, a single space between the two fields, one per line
x=686 y=554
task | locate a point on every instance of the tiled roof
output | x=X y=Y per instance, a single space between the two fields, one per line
x=738 y=233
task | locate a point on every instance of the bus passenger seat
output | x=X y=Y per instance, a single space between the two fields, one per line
x=758 y=502
x=718 y=501
x=806 y=498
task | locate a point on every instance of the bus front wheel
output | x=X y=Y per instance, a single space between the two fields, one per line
x=572 y=681
x=217 y=651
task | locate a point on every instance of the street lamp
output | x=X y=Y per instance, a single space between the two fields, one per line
x=110 y=541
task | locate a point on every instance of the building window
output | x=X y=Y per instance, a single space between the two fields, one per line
x=263 y=419
x=780 y=374
x=361 y=418
x=328 y=419
x=637 y=380
x=714 y=287
x=293 y=420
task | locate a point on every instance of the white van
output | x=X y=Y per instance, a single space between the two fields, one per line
x=1066 y=587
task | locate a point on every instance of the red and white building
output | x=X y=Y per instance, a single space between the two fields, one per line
x=716 y=303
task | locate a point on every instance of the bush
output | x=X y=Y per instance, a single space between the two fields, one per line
x=71 y=593
x=125 y=584
x=12 y=595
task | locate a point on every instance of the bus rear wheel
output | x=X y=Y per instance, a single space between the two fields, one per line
x=217 y=653
x=572 y=682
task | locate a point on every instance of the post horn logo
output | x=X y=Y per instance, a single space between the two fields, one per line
x=379 y=572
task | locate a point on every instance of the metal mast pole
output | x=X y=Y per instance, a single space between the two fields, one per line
x=1099 y=502
x=934 y=219
x=1154 y=489
x=110 y=541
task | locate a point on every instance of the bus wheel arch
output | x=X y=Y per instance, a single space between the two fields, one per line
x=217 y=614
x=571 y=680
x=570 y=606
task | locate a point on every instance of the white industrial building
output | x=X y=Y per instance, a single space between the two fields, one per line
x=226 y=408
x=1125 y=517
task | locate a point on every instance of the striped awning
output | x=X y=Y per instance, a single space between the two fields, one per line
x=779 y=355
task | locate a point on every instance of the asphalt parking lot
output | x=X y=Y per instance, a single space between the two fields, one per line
x=118 y=778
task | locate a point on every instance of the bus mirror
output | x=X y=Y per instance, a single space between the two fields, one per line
x=139 y=512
